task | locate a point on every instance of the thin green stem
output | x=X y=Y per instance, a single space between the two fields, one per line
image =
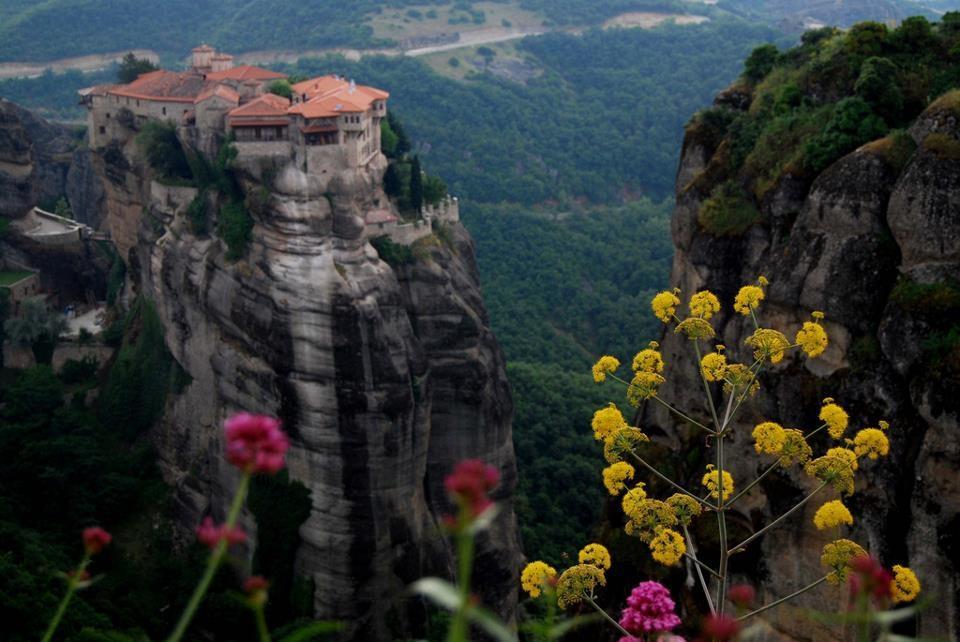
x=606 y=615
x=778 y=520
x=758 y=364
x=213 y=562
x=811 y=434
x=703 y=582
x=784 y=599
x=73 y=581
x=701 y=565
x=458 y=628
x=722 y=527
x=262 y=630
x=677 y=486
x=706 y=386
x=756 y=481
x=682 y=415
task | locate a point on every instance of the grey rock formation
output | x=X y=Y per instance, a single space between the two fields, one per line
x=384 y=377
x=840 y=244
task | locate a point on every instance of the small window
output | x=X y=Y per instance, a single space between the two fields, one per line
x=108 y=115
x=164 y=111
x=103 y=130
x=138 y=102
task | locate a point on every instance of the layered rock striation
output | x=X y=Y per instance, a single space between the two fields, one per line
x=383 y=376
x=873 y=242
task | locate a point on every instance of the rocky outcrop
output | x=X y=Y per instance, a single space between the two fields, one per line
x=384 y=377
x=873 y=244
x=40 y=162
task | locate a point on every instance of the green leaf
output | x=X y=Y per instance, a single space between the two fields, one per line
x=560 y=629
x=491 y=624
x=440 y=592
x=307 y=632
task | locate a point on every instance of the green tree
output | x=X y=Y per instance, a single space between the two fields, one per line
x=235 y=227
x=38 y=327
x=403 y=142
x=416 y=185
x=914 y=35
x=760 y=62
x=434 y=189
x=866 y=38
x=877 y=85
x=62 y=208
x=131 y=67
x=281 y=87
x=388 y=139
x=158 y=141
x=487 y=54
x=852 y=124
x=391 y=181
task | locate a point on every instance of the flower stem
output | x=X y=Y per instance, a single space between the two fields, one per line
x=701 y=564
x=656 y=472
x=682 y=415
x=458 y=628
x=756 y=481
x=72 y=582
x=784 y=599
x=213 y=563
x=777 y=520
x=706 y=388
x=607 y=616
x=703 y=582
x=262 y=630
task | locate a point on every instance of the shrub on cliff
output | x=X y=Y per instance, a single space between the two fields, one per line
x=852 y=124
x=159 y=143
x=729 y=211
x=235 y=227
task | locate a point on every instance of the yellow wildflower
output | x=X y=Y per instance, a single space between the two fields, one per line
x=749 y=298
x=769 y=437
x=535 y=576
x=846 y=454
x=643 y=386
x=833 y=468
x=622 y=441
x=605 y=365
x=665 y=305
x=648 y=359
x=905 y=587
x=768 y=345
x=832 y=514
x=704 y=304
x=835 y=417
x=795 y=449
x=872 y=443
x=668 y=547
x=737 y=378
x=711 y=481
x=596 y=554
x=713 y=365
x=632 y=500
x=837 y=556
x=684 y=507
x=812 y=338
x=607 y=421
x=578 y=582
x=695 y=328
x=615 y=475
x=648 y=516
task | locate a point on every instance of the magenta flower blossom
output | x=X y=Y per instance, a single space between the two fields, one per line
x=649 y=610
x=469 y=483
x=255 y=443
x=209 y=534
x=95 y=539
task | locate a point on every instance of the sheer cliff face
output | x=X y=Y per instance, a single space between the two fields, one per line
x=383 y=377
x=841 y=244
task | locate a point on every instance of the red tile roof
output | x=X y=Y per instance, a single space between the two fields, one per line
x=169 y=86
x=268 y=110
x=332 y=95
x=227 y=93
x=245 y=72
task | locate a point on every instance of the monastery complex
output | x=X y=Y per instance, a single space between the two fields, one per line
x=331 y=122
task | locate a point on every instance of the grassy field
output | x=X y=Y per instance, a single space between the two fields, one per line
x=9 y=277
x=469 y=61
x=430 y=20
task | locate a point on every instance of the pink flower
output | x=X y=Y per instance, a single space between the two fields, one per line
x=720 y=628
x=255 y=443
x=869 y=577
x=469 y=484
x=210 y=535
x=95 y=539
x=255 y=583
x=649 y=610
x=742 y=595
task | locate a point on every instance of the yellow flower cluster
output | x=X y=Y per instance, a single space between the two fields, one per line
x=712 y=480
x=648 y=359
x=795 y=449
x=605 y=365
x=620 y=442
x=812 y=338
x=704 y=304
x=643 y=386
x=665 y=305
x=647 y=517
x=834 y=417
x=596 y=554
x=846 y=454
x=737 y=378
x=668 y=547
x=536 y=576
x=834 y=468
x=615 y=476
x=606 y=422
x=770 y=438
x=749 y=298
x=695 y=328
x=831 y=515
x=872 y=443
x=905 y=587
x=578 y=582
x=634 y=497
x=837 y=556
x=684 y=507
x=768 y=345
x=714 y=365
